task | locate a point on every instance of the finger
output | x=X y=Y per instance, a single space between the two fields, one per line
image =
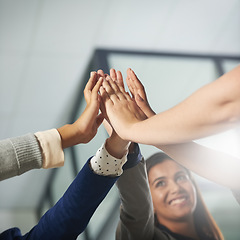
x=113 y=74
x=130 y=82
x=127 y=96
x=138 y=86
x=118 y=90
x=95 y=90
x=92 y=97
x=113 y=90
x=89 y=86
x=135 y=80
x=92 y=81
x=140 y=95
x=104 y=94
x=110 y=86
x=107 y=77
x=137 y=111
x=100 y=72
x=120 y=80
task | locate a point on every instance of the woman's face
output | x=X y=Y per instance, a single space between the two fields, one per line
x=173 y=193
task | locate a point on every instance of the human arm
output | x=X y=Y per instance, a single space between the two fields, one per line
x=109 y=156
x=45 y=148
x=214 y=165
x=71 y=214
x=135 y=220
x=85 y=127
x=136 y=212
x=19 y=155
x=211 y=109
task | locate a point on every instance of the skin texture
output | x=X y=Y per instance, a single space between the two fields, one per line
x=115 y=145
x=173 y=193
x=211 y=109
x=173 y=196
x=199 y=159
x=85 y=127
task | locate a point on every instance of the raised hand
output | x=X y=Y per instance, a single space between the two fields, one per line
x=85 y=127
x=115 y=145
x=138 y=93
x=120 y=108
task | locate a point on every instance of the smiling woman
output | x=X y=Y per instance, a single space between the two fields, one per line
x=160 y=200
x=178 y=206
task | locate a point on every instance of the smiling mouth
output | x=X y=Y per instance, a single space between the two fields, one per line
x=178 y=201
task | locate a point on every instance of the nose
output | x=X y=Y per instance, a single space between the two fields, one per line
x=174 y=187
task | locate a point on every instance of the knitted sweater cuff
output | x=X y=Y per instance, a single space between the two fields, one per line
x=28 y=153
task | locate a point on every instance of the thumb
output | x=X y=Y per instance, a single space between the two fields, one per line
x=144 y=106
x=99 y=119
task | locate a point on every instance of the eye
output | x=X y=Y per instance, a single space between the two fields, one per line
x=161 y=183
x=182 y=178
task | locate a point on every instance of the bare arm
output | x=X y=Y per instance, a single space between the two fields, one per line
x=211 y=109
x=216 y=166
x=213 y=165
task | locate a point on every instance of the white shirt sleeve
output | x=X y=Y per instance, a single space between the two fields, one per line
x=105 y=164
x=51 y=145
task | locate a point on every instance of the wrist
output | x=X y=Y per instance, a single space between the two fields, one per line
x=68 y=136
x=116 y=146
x=103 y=163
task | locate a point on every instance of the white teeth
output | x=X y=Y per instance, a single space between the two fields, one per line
x=177 y=201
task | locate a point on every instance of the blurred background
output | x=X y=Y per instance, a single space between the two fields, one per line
x=47 y=50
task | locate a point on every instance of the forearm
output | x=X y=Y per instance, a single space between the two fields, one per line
x=137 y=218
x=211 y=109
x=211 y=164
x=69 y=136
x=116 y=146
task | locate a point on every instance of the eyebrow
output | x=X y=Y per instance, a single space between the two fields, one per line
x=157 y=179
x=176 y=174
x=180 y=172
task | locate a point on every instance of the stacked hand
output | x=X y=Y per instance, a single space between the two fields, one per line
x=107 y=93
x=85 y=127
x=119 y=108
x=138 y=93
x=115 y=144
x=117 y=103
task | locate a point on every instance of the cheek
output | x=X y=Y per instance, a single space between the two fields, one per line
x=189 y=187
x=157 y=197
